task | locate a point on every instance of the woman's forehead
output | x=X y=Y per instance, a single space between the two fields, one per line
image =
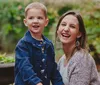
x=70 y=18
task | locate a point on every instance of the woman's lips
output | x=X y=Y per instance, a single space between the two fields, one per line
x=65 y=35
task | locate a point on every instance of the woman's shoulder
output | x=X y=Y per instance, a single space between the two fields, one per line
x=83 y=56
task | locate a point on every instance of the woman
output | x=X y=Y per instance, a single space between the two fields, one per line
x=76 y=66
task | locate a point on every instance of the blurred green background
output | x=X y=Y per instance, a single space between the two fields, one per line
x=12 y=27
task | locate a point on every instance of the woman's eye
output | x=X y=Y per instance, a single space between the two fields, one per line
x=63 y=24
x=72 y=26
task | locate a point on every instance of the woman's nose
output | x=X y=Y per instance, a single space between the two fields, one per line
x=66 y=28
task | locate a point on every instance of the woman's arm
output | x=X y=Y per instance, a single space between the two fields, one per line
x=81 y=72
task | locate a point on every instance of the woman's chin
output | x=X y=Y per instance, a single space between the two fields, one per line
x=63 y=41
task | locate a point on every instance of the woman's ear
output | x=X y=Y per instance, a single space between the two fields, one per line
x=25 y=22
x=79 y=35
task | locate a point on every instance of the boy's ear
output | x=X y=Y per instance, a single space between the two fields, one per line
x=25 y=22
x=47 y=21
x=79 y=35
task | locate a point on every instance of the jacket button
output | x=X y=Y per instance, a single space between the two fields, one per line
x=41 y=42
x=40 y=65
x=42 y=49
x=45 y=76
x=42 y=71
x=43 y=60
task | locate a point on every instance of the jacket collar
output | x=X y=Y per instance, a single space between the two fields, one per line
x=28 y=38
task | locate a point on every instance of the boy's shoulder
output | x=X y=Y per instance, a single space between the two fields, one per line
x=25 y=38
x=21 y=41
x=47 y=39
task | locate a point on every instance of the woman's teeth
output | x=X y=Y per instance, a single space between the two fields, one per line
x=64 y=35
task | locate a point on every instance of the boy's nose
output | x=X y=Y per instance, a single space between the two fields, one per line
x=35 y=20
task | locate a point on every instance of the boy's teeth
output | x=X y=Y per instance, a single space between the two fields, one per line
x=35 y=26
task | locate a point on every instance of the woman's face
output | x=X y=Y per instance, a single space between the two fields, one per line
x=68 y=30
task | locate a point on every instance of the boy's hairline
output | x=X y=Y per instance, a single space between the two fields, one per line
x=36 y=5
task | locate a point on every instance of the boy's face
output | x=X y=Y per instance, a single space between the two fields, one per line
x=35 y=21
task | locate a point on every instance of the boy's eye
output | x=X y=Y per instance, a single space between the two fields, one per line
x=40 y=18
x=30 y=17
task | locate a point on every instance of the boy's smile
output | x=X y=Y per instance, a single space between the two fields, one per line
x=36 y=21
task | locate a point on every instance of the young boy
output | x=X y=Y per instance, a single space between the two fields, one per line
x=34 y=53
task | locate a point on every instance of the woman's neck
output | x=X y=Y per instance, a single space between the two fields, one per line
x=69 y=50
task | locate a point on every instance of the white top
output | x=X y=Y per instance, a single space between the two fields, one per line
x=63 y=71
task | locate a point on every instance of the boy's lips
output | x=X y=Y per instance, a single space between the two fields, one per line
x=36 y=26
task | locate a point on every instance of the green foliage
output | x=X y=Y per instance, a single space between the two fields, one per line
x=6 y=59
x=66 y=8
x=11 y=24
x=92 y=24
x=52 y=17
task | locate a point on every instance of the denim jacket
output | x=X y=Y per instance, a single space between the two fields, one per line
x=35 y=62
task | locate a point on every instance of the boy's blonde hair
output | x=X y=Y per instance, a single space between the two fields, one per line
x=36 y=5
